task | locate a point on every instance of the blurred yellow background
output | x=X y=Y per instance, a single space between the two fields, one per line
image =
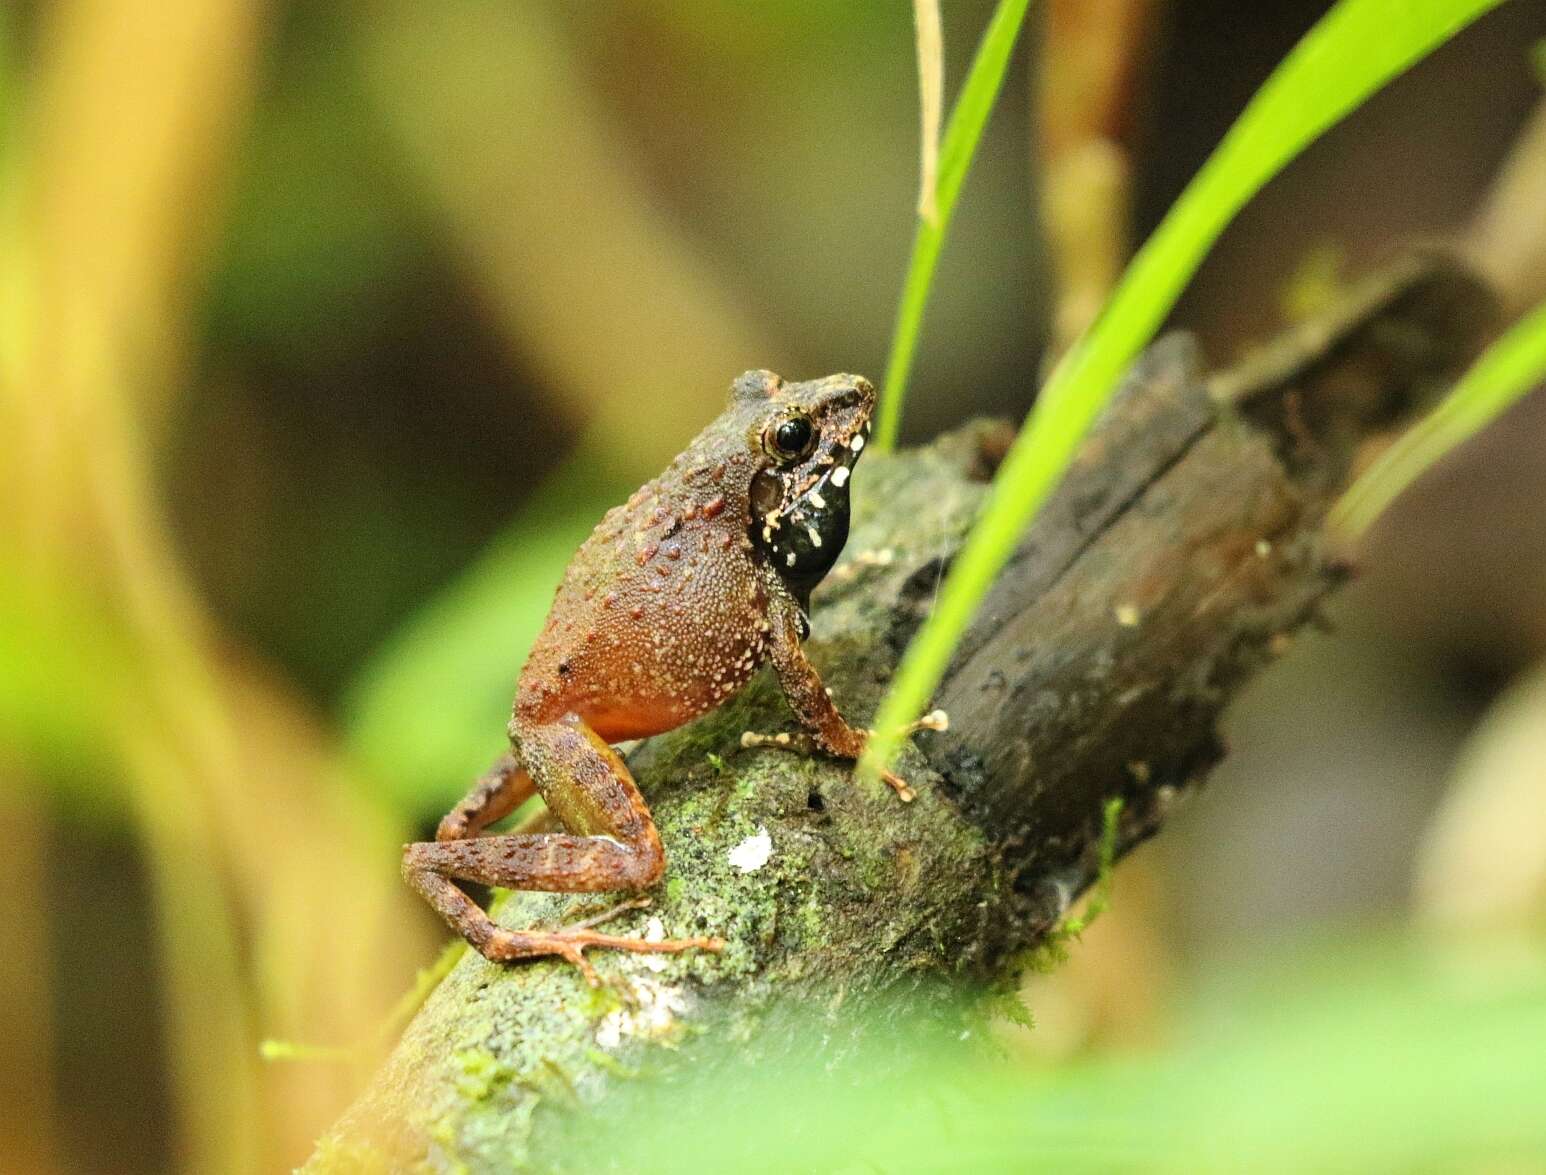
x=327 y=330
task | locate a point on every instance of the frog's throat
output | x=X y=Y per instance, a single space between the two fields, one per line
x=804 y=536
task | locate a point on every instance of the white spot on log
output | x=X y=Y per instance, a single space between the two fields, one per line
x=654 y=931
x=753 y=852
x=650 y=1015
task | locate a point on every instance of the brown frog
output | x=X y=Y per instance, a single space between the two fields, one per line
x=668 y=608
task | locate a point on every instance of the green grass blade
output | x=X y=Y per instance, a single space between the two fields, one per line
x=962 y=134
x=1356 y=48
x=1512 y=366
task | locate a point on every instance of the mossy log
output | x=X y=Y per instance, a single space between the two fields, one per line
x=1179 y=556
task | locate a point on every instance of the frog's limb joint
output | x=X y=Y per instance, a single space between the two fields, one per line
x=825 y=727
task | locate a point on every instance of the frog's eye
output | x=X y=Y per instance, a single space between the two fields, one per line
x=789 y=438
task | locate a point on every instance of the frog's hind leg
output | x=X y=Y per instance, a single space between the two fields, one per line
x=506 y=786
x=612 y=845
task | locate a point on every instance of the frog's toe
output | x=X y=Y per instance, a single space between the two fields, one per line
x=904 y=791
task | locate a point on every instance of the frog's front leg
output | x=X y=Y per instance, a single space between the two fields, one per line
x=611 y=844
x=812 y=704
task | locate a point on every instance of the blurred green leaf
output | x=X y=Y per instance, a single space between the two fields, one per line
x=1512 y=366
x=1349 y=54
x=9 y=90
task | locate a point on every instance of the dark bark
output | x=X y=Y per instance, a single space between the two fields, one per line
x=1178 y=557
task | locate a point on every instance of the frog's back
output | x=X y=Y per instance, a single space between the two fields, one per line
x=661 y=614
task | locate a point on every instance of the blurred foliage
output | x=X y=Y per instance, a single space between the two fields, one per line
x=430 y=712
x=1358 y=1054
x=1482 y=863
x=311 y=313
x=119 y=695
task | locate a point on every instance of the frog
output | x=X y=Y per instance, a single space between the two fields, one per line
x=671 y=605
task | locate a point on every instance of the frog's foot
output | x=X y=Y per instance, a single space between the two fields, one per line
x=608 y=914
x=803 y=743
x=933 y=720
x=797 y=741
x=571 y=943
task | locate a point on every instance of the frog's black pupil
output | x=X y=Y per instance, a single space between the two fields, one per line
x=793 y=435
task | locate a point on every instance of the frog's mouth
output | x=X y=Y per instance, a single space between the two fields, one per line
x=804 y=527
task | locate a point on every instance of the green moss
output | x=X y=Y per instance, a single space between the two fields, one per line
x=812 y=922
x=480 y=1073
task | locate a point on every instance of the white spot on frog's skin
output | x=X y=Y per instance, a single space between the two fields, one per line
x=840 y=476
x=817 y=500
x=814 y=537
x=753 y=852
x=789 y=559
x=857 y=443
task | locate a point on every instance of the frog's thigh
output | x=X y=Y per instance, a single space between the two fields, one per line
x=585 y=783
x=611 y=844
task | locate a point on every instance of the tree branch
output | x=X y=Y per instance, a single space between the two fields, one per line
x=1179 y=556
